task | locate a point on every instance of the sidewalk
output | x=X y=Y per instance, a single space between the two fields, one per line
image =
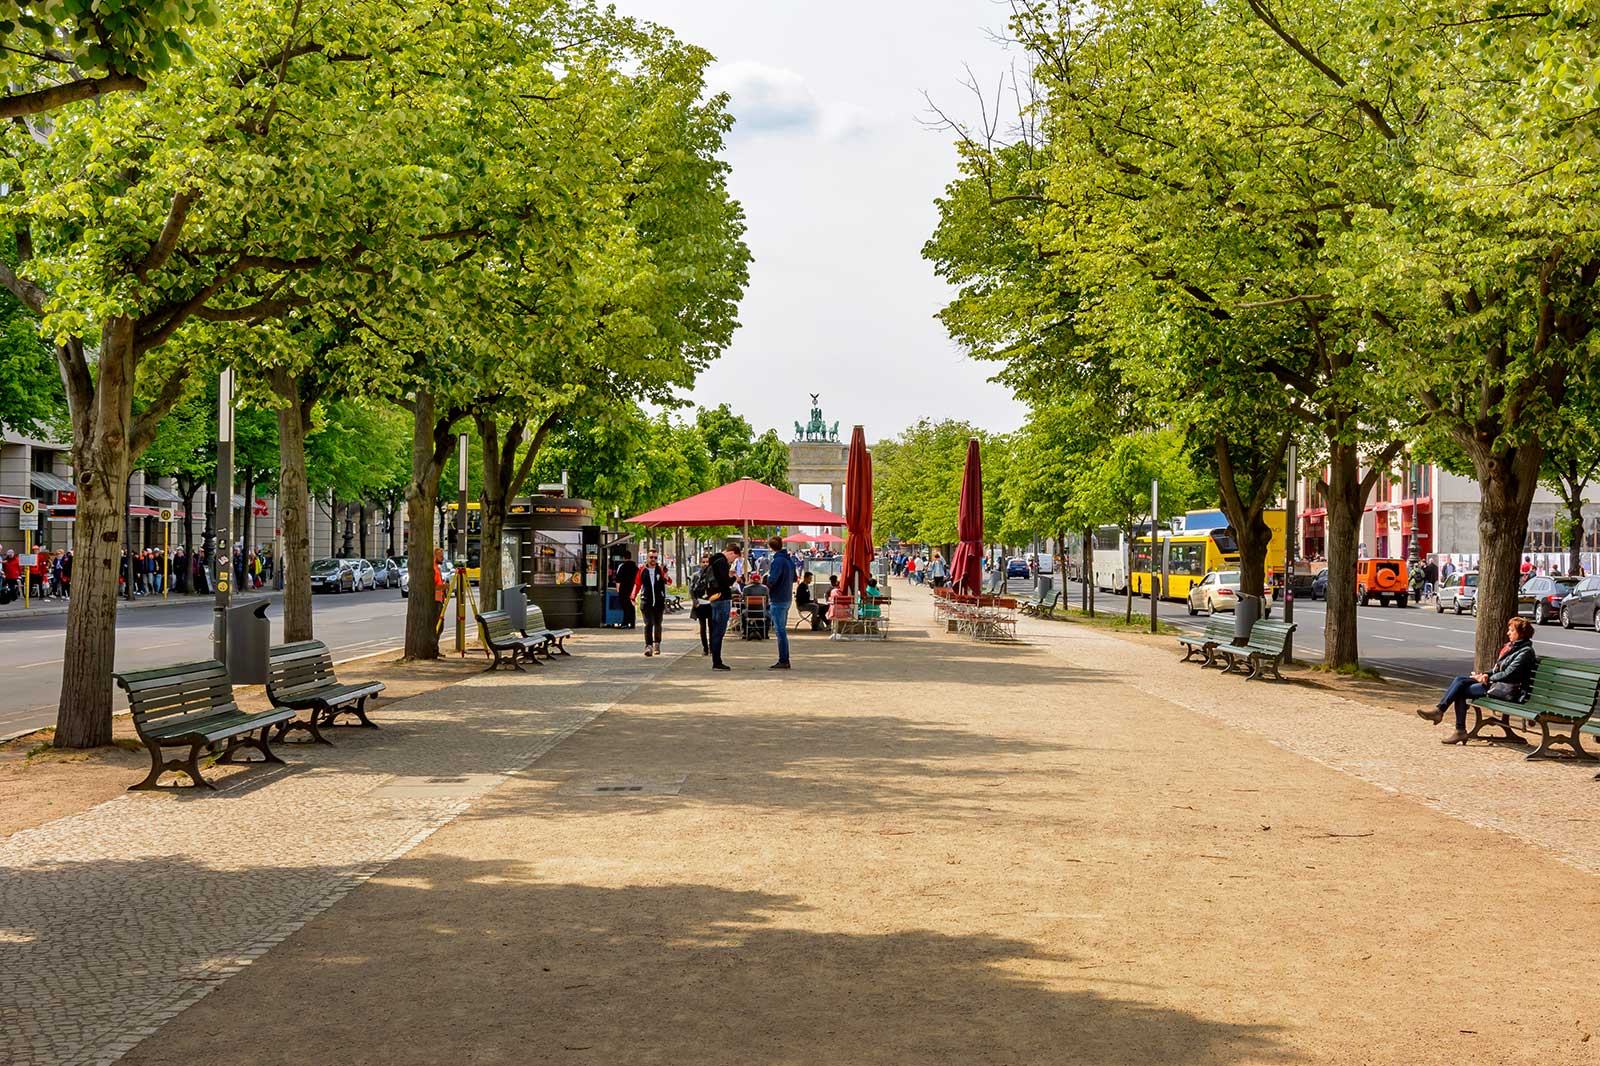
x=918 y=851
x=47 y=607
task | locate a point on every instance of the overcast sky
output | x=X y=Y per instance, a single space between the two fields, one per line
x=837 y=173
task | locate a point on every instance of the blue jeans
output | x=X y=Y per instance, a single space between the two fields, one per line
x=780 y=623
x=720 y=610
x=1462 y=689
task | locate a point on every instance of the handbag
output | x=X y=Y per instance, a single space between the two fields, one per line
x=1505 y=690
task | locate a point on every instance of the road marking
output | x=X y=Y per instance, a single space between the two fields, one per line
x=1447 y=647
x=1380 y=636
x=1413 y=625
x=44 y=662
x=1561 y=644
x=168 y=644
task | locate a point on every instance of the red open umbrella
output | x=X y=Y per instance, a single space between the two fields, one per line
x=857 y=516
x=812 y=538
x=966 y=568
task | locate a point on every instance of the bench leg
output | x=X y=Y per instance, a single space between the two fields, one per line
x=250 y=740
x=159 y=766
x=561 y=647
x=1574 y=740
x=1191 y=652
x=1481 y=721
x=359 y=709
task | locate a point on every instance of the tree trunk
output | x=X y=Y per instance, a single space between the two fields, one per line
x=1088 y=570
x=294 y=513
x=184 y=580
x=491 y=509
x=102 y=425
x=1575 y=532
x=430 y=445
x=1346 y=502
x=1506 y=483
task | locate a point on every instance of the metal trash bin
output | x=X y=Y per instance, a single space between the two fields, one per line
x=249 y=638
x=1046 y=583
x=1246 y=611
x=514 y=602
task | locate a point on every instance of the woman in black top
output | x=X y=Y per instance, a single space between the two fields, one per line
x=1513 y=667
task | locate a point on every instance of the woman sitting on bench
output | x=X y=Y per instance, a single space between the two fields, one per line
x=1513 y=667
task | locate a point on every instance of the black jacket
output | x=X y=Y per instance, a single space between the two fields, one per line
x=721 y=576
x=652 y=588
x=627 y=574
x=1515 y=665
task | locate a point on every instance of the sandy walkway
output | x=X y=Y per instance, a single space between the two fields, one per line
x=930 y=852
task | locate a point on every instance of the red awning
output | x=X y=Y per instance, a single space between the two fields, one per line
x=813 y=538
x=745 y=500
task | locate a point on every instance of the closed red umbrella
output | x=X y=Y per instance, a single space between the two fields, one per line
x=966 y=569
x=857 y=516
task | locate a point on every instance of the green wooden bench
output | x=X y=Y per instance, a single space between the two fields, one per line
x=300 y=676
x=553 y=638
x=1218 y=631
x=501 y=640
x=1030 y=606
x=191 y=705
x=1561 y=694
x=1262 y=652
x=1047 y=609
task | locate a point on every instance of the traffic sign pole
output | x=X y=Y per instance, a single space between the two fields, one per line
x=28 y=524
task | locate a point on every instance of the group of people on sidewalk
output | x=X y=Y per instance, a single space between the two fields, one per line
x=49 y=575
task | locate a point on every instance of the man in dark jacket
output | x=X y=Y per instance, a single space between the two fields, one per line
x=1430 y=577
x=627 y=575
x=650 y=591
x=721 y=602
x=1513 y=667
x=780 y=587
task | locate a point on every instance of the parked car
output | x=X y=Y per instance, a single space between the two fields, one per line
x=1540 y=598
x=1582 y=605
x=1385 y=580
x=1319 y=585
x=332 y=575
x=386 y=573
x=366 y=576
x=405 y=577
x=1219 y=591
x=1458 y=592
x=1017 y=568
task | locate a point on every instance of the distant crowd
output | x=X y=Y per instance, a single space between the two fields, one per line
x=50 y=576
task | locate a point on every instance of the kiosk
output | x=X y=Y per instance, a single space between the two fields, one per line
x=553 y=547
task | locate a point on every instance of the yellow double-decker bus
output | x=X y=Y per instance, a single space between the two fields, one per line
x=1184 y=557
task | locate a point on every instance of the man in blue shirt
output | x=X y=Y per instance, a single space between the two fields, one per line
x=780 y=587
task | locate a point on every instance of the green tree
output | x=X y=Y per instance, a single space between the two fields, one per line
x=64 y=51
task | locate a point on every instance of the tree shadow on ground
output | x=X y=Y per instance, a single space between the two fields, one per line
x=450 y=960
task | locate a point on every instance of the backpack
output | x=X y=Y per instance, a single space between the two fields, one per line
x=703 y=584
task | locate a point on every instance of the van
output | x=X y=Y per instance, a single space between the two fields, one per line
x=1384 y=580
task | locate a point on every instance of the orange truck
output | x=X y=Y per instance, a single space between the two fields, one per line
x=1385 y=580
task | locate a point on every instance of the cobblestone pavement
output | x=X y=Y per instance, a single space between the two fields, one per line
x=1552 y=804
x=115 y=920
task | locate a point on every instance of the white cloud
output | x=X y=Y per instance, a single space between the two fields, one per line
x=769 y=99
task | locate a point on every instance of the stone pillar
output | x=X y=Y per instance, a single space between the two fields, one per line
x=838 y=498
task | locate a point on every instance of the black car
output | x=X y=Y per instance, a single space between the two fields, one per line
x=1582 y=604
x=332 y=575
x=1540 y=598
x=1319 y=586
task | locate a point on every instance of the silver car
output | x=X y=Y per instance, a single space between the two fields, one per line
x=1458 y=592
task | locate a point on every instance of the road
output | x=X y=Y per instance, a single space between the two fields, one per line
x=30 y=668
x=1414 y=643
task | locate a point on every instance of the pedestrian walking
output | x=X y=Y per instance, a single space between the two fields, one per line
x=10 y=575
x=938 y=571
x=650 y=592
x=627 y=575
x=1507 y=679
x=1430 y=576
x=721 y=602
x=780 y=593
x=700 y=590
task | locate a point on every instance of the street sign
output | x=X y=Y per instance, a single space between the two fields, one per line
x=165 y=515
x=29 y=515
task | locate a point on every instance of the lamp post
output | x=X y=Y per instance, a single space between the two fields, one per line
x=1155 y=551
x=222 y=556
x=1291 y=531
x=461 y=545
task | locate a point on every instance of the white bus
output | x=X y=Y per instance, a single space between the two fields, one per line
x=1110 y=559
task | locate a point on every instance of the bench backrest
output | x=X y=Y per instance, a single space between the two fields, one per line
x=1055 y=598
x=1219 y=629
x=1565 y=684
x=165 y=695
x=497 y=627
x=1270 y=635
x=299 y=665
x=535 y=618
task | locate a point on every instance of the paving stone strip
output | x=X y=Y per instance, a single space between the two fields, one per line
x=1551 y=804
x=114 y=920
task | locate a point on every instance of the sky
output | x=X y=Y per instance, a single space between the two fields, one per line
x=838 y=170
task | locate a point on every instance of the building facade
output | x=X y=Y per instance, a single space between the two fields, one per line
x=1421 y=509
